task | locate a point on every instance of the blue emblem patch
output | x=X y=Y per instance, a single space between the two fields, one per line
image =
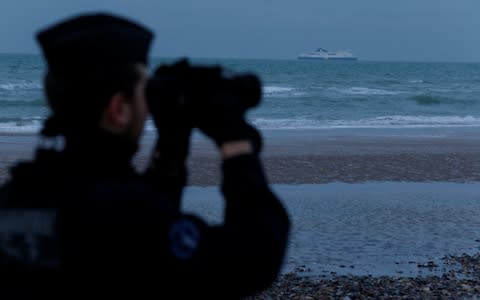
x=184 y=238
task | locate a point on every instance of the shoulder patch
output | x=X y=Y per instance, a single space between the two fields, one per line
x=184 y=238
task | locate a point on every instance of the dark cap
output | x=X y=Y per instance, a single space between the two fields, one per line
x=93 y=40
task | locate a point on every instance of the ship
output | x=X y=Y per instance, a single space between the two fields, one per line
x=322 y=54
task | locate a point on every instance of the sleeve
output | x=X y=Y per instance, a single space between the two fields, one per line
x=245 y=253
x=134 y=230
x=169 y=176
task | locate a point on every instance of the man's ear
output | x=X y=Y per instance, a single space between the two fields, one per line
x=117 y=114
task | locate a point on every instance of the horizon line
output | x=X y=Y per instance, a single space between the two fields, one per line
x=293 y=58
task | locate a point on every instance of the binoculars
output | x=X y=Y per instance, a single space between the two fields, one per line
x=196 y=88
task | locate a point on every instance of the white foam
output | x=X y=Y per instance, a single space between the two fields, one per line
x=282 y=91
x=276 y=89
x=15 y=127
x=362 y=91
x=386 y=122
x=378 y=122
x=413 y=121
x=287 y=124
x=20 y=86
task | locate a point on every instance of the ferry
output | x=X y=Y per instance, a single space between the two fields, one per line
x=323 y=54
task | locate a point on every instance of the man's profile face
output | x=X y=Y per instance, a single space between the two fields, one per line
x=138 y=105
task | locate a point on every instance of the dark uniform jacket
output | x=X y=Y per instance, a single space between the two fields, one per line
x=82 y=223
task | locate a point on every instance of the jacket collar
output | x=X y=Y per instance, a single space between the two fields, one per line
x=97 y=153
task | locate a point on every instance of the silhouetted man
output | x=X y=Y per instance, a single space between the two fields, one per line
x=78 y=221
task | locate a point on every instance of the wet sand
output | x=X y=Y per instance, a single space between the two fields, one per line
x=312 y=157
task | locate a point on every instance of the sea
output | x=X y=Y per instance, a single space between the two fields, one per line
x=298 y=95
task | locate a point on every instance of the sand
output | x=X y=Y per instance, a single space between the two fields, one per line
x=310 y=157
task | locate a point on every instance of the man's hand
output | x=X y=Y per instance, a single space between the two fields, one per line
x=224 y=122
x=235 y=148
x=174 y=129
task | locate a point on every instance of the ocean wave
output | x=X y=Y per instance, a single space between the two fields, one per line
x=27 y=102
x=32 y=126
x=286 y=123
x=281 y=91
x=362 y=91
x=397 y=121
x=276 y=89
x=20 y=86
x=418 y=81
x=386 y=81
x=411 y=121
x=385 y=122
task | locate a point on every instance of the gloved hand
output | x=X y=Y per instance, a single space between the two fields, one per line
x=171 y=119
x=202 y=97
x=223 y=121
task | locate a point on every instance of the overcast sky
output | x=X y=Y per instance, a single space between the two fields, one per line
x=406 y=30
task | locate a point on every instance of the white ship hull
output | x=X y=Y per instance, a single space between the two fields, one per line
x=327 y=58
x=322 y=54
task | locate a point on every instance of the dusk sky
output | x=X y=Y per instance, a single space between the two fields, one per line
x=408 y=30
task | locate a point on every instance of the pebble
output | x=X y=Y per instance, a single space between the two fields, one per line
x=446 y=286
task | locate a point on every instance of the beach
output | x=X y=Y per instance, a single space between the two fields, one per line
x=320 y=156
x=374 y=214
x=317 y=157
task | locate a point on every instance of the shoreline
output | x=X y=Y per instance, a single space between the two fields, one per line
x=317 y=157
